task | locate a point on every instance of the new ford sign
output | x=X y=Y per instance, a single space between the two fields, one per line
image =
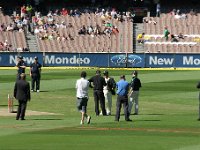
x=134 y=60
x=131 y=60
x=118 y=59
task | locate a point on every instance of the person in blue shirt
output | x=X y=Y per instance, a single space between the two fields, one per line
x=122 y=98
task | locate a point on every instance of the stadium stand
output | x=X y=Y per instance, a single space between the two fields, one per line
x=84 y=27
x=103 y=33
x=183 y=24
x=12 y=39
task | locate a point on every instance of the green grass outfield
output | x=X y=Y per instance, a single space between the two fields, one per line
x=167 y=119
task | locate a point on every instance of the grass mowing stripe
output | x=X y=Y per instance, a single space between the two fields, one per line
x=93 y=139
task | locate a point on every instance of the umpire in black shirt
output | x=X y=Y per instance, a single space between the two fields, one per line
x=35 y=73
x=98 y=82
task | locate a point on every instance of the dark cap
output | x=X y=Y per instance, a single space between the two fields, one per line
x=36 y=58
x=105 y=72
x=98 y=72
x=134 y=73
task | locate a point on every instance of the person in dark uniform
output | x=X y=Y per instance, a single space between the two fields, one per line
x=134 y=92
x=22 y=94
x=122 y=98
x=198 y=86
x=21 y=65
x=35 y=73
x=98 y=82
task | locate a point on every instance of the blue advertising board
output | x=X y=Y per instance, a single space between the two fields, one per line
x=74 y=59
x=10 y=59
x=61 y=59
x=136 y=60
x=127 y=60
x=94 y=60
x=187 y=60
x=117 y=60
x=148 y=60
x=159 y=60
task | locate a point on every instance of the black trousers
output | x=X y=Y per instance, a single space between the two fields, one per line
x=99 y=97
x=21 y=109
x=35 y=80
x=18 y=77
x=122 y=100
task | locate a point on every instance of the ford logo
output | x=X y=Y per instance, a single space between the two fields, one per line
x=121 y=59
x=134 y=59
x=118 y=59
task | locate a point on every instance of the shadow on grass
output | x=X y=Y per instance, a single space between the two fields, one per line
x=139 y=114
x=14 y=111
x=151 y=114
x=40 y=92
x=44 y=91
x=148 y=120
x=46 y=119
x=7 y=105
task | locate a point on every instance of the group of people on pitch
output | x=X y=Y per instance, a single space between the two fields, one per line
x=103 y=89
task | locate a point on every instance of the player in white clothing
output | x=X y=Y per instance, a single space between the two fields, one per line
x=108 y=91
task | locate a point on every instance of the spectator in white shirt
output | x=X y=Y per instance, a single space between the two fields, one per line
x=36 y=31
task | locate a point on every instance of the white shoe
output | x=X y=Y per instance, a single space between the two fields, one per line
x=38 y=91
x=32 y=91
x=88 y=119
x=81 y=123
x=108 y=113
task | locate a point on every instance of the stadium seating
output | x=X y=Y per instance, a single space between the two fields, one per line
x=15 y=39
x=188 y=26
x=121 y=42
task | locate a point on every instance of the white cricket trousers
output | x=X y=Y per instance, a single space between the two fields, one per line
x=108 y=101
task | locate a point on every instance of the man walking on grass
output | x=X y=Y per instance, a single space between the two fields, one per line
x=82 y=86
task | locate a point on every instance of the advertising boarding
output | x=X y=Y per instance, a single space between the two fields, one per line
x=10 y=59
x=115 y=60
